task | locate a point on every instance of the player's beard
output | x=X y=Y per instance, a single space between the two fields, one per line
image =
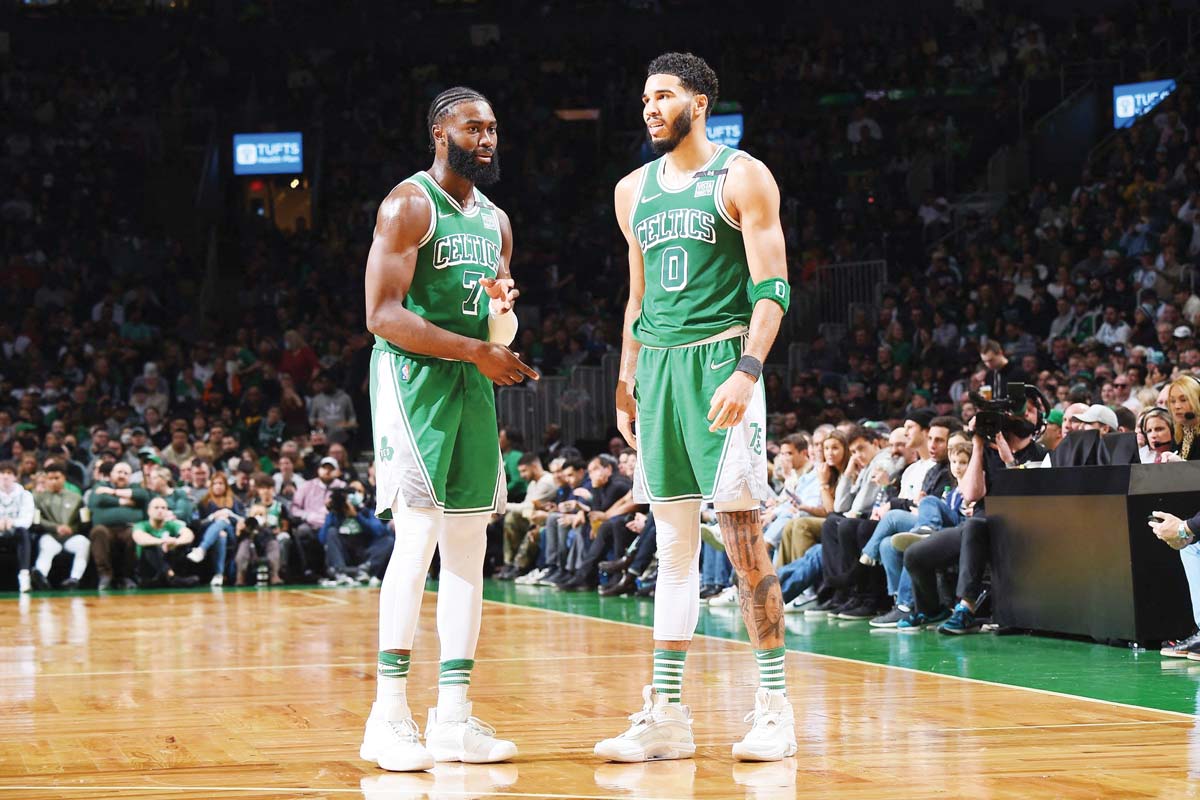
x=463 y=162
x=678 y=128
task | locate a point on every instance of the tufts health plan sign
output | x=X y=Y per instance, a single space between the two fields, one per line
x=268 y=153
x=725 y=129
x=1132 y=100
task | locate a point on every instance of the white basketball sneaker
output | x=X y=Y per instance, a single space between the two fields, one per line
x=772 y=735
x=394 y=746
x=660 y=730
x=461 y=737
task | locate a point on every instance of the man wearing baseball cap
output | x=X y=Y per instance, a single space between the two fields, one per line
x=1097 y=417
x=309 y=508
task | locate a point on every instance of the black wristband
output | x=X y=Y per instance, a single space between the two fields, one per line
x=749 y=365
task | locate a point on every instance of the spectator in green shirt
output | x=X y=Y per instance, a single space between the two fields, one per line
x=162 y=483
x=509 y=442
x=115 y=508
x=161 y=545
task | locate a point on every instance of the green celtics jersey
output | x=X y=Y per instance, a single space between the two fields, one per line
x=460 y=247
x=694 y=257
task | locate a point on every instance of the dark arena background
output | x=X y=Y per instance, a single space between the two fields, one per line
x=991 y=220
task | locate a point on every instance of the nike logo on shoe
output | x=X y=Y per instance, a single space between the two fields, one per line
x=723 y=363
x=651 y=197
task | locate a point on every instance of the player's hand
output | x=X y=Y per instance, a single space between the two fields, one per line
x=729 y=401
x=626 y=412
x=501 y=365
x=501 y=290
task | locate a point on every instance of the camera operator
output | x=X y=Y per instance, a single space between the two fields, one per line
x=1001 y=441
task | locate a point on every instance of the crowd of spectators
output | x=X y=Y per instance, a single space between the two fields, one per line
x=157 y=442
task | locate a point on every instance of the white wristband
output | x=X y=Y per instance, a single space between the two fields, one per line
x=502 y=327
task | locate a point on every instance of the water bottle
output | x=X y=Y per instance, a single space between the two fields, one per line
x=263 y=574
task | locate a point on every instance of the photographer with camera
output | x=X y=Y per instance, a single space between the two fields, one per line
x=1004 y=430
x=357 y=544
x=261 y=534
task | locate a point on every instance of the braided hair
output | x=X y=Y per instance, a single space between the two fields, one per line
x=447 y=100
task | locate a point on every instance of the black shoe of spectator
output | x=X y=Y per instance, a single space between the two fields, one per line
x=709 y=591
x=39 y=581
x=69 y=585
x=182 y=581
x=826 y=607
x=616 y=565
x=563 y=577
x=105 y=583
x=580 y=583
x=862 y=610
x=646 y=591
x=128 y=583
x=507 y=573
x=626 y=585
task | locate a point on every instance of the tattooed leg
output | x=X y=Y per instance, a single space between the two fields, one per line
x=758 y=589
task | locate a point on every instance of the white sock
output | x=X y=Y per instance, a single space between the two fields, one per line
x=391 y=686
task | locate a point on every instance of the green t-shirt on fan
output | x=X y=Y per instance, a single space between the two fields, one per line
x=171 y=527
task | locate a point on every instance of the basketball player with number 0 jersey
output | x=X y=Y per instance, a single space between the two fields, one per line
x=439 y=301
x=708 y=290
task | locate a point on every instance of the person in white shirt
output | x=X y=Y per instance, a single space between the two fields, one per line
x=16 y=518
x=1114 y=331
x=520 y=518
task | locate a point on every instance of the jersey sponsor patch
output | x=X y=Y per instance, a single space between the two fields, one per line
x=489 y=221
x=705 y=188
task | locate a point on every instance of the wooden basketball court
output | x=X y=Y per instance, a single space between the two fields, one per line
x=263 y=694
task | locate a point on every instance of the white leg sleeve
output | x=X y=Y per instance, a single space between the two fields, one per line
x=462 y=545
x=48 y=548
x=677 y=592
x=80 y=547
x=417 y=531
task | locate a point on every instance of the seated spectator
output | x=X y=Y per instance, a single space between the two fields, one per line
x=1183 y=398
x=523 y=517
x=61 y=529
x=16 y=518
x=266 y=536
x=1181 y=535
x=197 y=487
x=179 y=449
x=309 y=511
x=935 y=513
x=1157 y=433
x=640 y=567
x=568 y=513
x=287 y=480
x=218 y=513
x=115 y=507
x=357 y=543
x=161 y=544
x=162 y=483
x=609 y=500
x=967 y=545
x=331 y=408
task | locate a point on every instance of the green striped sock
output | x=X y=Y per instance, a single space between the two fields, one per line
x=770 y=669
x=393 y=665
x=456 y=672
x=668 y=673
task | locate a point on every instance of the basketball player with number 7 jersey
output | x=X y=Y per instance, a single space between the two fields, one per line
x=708 y=290
x=439 y=301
